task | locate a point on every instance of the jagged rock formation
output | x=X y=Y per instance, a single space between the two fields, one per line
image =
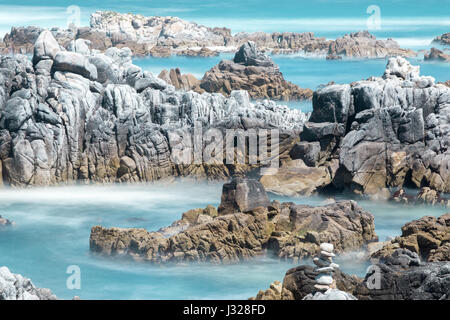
x=389 y=131
x=255 y=72
x=164 y=36
x=16 y=287
x=286 y=230
x=437 y=55
x=443 y=39
x=401 y=276
x=364 y=44
x=83 y=115
x=180 y=81
x=429 y=237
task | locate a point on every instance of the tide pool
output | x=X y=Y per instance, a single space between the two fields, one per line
x=53 y=226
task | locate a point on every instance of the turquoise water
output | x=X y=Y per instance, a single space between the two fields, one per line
x=53 y=226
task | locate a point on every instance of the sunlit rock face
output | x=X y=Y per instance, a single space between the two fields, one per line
x=82 y=115
x=389 y=131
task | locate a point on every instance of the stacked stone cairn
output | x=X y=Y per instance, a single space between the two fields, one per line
x=325 y=268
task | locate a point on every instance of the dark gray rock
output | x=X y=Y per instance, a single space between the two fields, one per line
x=307 y=151
x=249 y=55
x=74 y=62
x=241 y=195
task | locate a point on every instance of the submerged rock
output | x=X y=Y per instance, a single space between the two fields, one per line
x=16 y=287
x=437 y=55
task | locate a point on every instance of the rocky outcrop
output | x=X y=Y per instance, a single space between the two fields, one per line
x=95 y=117
x=164 y=36
x=242 y=195
x=384 y=132
x=401 y=276
x=253 y=228
x=428 y=237
x=174 y=77
x=16 y=287
x=364 y=44
x=255 y=72
x=437 y=55
x=424 y=196
x=5 y=222
x=443 y=39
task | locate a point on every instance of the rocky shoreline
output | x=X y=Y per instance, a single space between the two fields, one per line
x=244 y=226
x=164 y=36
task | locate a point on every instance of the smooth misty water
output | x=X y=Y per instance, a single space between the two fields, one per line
x=53 y=226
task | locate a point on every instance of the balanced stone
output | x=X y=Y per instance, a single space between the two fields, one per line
x=325 y=269
x=324 y=279
x=327 y=254
x=328 y=247
x=321 y=262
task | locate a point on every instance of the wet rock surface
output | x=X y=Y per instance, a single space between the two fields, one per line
x=437 y=55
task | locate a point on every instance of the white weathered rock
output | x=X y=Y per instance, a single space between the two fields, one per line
x=324 y=279
x=331 y=294
x=16 y=287
x=328 y=247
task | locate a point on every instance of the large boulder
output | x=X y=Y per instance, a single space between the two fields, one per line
x=255 y=72
x=241 y=195
x=429 y=237
x=45 y=47
x=74 y=62
x=249 y=55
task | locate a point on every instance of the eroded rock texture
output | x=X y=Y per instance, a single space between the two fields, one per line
x=255 y=72
x=16 y=287
x=85 y=116
x=285 y=230
x=429 y=237
x=380 y=133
